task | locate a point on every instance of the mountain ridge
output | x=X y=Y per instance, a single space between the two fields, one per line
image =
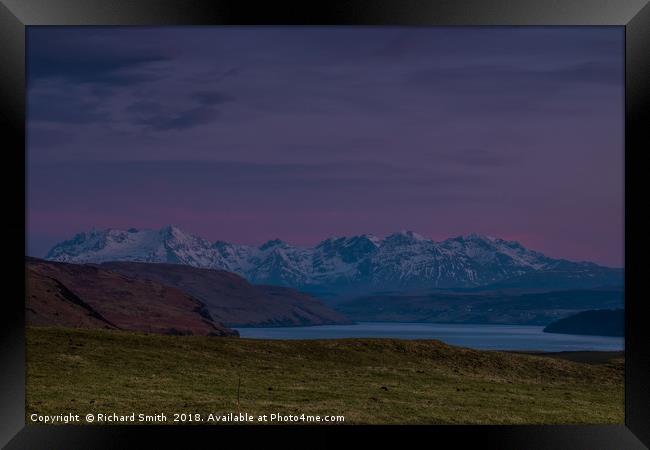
x=403 y=260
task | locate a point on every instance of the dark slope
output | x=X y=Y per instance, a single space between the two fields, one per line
x=606 y=322
x=81 y=296
x=231 y=299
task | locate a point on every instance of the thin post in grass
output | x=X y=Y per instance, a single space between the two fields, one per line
x=238 y=390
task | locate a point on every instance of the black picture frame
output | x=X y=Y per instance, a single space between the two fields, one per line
x=15 y=15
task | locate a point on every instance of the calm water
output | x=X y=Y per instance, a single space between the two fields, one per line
x=487 y=337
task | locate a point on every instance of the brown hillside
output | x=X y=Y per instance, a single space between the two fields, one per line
x=231 y=299
x=83 y=296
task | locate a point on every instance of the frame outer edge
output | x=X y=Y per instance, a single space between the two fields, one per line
x=12 y=332
x=637 y=141
x=348 y=12
x=15 y=14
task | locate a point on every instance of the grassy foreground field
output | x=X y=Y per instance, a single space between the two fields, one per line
x=369 y=381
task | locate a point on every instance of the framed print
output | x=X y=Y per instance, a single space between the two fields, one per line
x=372 y=219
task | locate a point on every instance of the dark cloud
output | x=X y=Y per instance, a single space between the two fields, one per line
x=169 y=116
x=180 y=120
x=87 y=57
x=63 y=109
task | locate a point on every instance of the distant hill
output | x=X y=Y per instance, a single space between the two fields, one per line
x=563 y=278
x=231 y=299
x=498 y=307
x=342 y=266
x=50 y=303
x=608 y=322
x=82 y=296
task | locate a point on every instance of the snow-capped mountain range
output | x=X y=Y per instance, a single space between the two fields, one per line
x=364 y=263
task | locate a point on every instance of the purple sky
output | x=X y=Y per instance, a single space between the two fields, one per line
x=248 y=134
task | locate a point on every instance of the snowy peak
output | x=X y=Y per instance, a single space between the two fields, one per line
x=273 y=243
x=475 y=237
x=172 y=232
x=488 y=250
x=402 y=260
x=348 y=249
x=406 y=236
x=169 y=244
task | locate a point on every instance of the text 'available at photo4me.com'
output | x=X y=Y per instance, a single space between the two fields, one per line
x=182 y=418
